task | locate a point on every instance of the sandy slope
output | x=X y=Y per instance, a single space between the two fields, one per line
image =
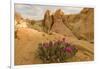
x=27 y=41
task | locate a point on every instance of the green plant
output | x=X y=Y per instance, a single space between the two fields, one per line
x=56 y=52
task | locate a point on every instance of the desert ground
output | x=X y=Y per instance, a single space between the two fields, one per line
x=78 y=29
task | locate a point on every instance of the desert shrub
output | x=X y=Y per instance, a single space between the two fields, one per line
x=56 y=51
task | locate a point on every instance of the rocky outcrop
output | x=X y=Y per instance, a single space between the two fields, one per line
x=47 y=22
x=58 y=25
x=82 y=24
x=79 y=25
x=55 y=23
x=19 y=21
x=17 y=17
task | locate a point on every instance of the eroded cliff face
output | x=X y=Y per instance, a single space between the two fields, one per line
x=80 y=26
x=58 y=25
x=47 y=22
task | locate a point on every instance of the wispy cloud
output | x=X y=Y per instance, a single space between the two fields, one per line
x=37 y=11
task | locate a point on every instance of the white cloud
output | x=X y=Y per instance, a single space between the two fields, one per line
x=37 y=11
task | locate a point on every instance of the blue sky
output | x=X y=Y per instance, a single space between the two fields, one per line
x=36 y=12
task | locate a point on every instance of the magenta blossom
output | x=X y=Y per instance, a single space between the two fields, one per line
x=45 y=45
x=64 y=39
x=50 y=43
x=68 y=49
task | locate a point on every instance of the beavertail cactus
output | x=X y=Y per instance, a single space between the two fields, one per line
x=56 y=51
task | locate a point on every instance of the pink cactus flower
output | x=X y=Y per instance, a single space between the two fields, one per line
x=68 y=49
x=64 y=39
x=45 y=45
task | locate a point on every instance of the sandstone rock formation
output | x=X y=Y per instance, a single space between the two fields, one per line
x=19 y=21
x=58 y=25
x=47 y=22
x=82 y=24
x=17 y=17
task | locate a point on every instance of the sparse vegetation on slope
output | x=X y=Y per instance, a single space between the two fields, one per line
x=56 y=51
x=30 y=33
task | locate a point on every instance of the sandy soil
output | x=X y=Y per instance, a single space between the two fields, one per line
x=27 y=41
